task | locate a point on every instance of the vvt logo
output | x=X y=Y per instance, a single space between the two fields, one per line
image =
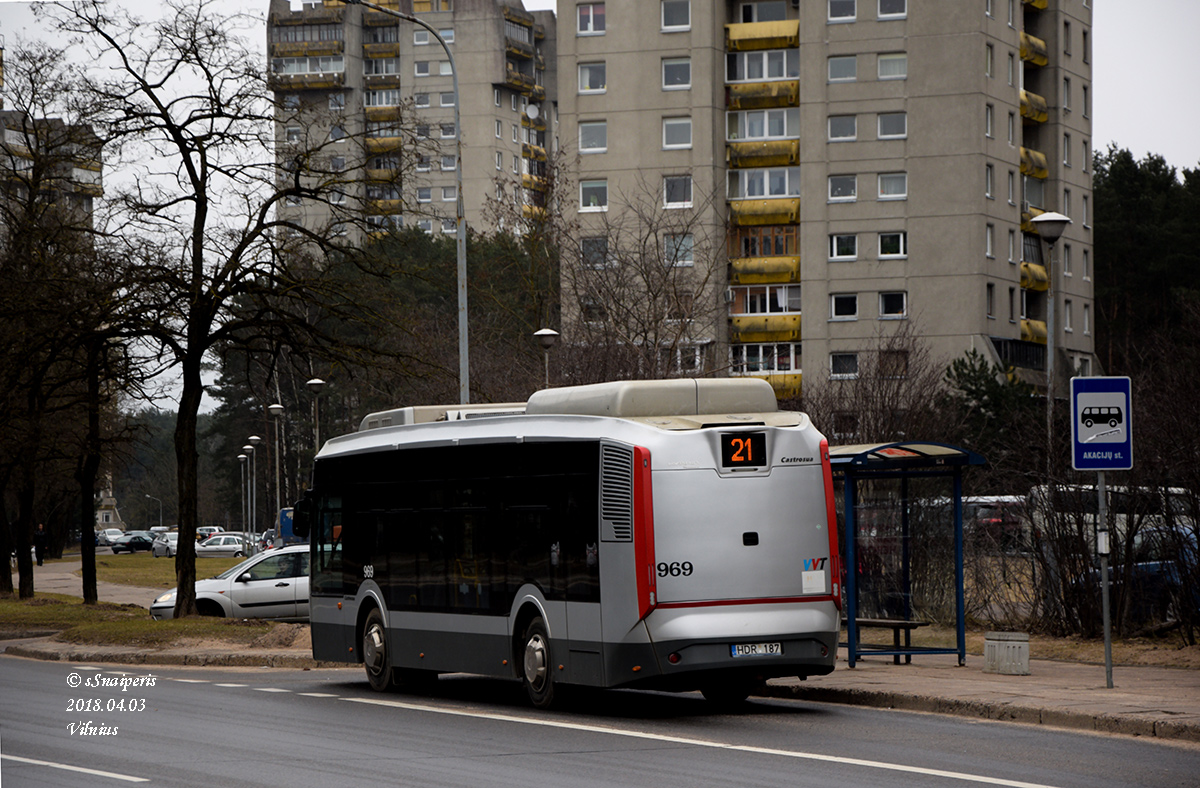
x=811 y=564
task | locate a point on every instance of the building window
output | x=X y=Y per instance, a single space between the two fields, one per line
x=1087 y=265
x=989 y=181
x=593 y=195
x=1066 y=150
x=765 y=300
x=843 y=128
x=894 y=66
x=893 y=125
x=1084 y=211
x=756 y=359
x=893 y=186
x=989 y=240
x=516 y=133
x=1012 y=126
x=1066 y=94
x=988 y=112
x=294 y=134
x=1087 y=156
x=337 y=102
x=843 y=188
x=843 y=247
x=425 y=194
x=989 y=59
x=594 y=252
x=499 y=129
x=893 y=306
x=676 y=73
x=447 y=99
x=677 y=191
x=421 y=68
x=499 y=160
x=423 y=163
x=991 y=300
x=676 y=15
x=843 y=68
x=677 y=133
x=591 y=19
x=678 y=249
x=447 y=131
x=1087 y=319
x=762 y=65
x=893 y=9
x=842 y=10
x=843 y=366
x=592 y=78
x=765 y=182
x=1068 y=324
x=1012 y=188
x=893 y=364
x=1012 y=246
x=420 y=37
x=892 y=245
x=448 y=163
x=1012 y=69
x=336 y=133
x=763 y=124
x=1012 y=307
x=593 y=137
x=1066 y=38
x=449 y=193
x=420 y=100
x=843 y=306
x=1066 y=261
x=1085 y=52
x=1066 y=202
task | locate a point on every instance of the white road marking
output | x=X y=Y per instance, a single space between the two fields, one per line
x=317 y=694
x=237 y=686
x=95 y=772
x=893 y=767
x=191 y=681
x=270 y=689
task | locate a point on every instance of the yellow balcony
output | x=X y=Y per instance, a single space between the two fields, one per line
x=783 y=34
x=764 y=328
x=379 y=114
x=380 y=144
x=1034 y=107
x=307 y=81
x=1036 y=3
x=533 y=182
x=533 y=212
x=1027 y=225
x=1034 y=277
x=537 y=93
x=519 y=48
x=518 y=80
x=535 y=152
x=765 y=270
x=382 y=50
x=1033 y=50
x=786 y=384
x=306 y=48
x=763 y=153
x=761 y=95
x=1033 y=163
x=385 y=207
x=381 y=176
x=1033 y=331
x=785 y=210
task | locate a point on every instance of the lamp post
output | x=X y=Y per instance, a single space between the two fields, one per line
x=276 y=412
x=464 y=374
x=1050 y=227
x=252 y=449
x=151 y=497
x=242 y=460
x=315 y=386
x=547 y=338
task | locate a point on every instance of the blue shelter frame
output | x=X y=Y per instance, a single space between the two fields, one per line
x=901 y=461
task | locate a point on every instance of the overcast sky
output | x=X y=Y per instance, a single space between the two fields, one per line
x=1145 y=59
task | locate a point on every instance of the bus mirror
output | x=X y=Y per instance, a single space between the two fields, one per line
x=302 y=517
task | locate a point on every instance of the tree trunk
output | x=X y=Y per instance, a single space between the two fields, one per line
x=187 y=463
x=85 y=475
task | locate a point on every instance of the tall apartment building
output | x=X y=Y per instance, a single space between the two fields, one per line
x=342 y=71
x=876 y=164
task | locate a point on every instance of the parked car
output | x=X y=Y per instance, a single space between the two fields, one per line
x=222 y=545
x=205 y=531
x=166 y=545
x=269 y=585
x=106 y=536
x=134 y=542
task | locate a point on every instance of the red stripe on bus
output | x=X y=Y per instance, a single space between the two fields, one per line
x=835 y=563
x=643 y=532
x=791 y=600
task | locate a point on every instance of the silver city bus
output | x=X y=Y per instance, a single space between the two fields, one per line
x=661 y=534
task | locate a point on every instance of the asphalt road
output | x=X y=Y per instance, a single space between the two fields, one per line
x=203 y=727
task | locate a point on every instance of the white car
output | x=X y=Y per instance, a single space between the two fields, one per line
x=269 y=585
x=166 y=544
x=221 y=545
x=106 y=536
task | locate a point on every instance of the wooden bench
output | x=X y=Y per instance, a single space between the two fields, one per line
x=897 y=626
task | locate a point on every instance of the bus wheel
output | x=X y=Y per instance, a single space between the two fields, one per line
x=375 y=653
x=538 y=676
x=728 y=694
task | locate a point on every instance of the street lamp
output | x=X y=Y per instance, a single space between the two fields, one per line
x=276 y=412
x=1050 y=226
x=315 y=386
x=547 y=338
x=252 y=449
x=151 y=497
x=242 y=459
x=464 y=373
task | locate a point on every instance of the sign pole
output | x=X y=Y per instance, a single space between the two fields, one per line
x=1103 y=549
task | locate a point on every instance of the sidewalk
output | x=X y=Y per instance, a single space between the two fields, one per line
x=1144 y=701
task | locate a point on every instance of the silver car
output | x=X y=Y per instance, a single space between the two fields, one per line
x=269 y=585
x=166 y=544
x=221 y=545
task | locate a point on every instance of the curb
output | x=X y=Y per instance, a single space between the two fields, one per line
x=246 y=659
x=998 y=712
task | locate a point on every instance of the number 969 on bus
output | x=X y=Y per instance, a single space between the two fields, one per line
x=675 y=569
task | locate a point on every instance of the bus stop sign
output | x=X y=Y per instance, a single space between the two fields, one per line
x=1101 y=428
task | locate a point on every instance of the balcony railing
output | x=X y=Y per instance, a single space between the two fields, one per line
x=762 y=95
x=765 y=270
x=765 y=328
x=1034 y=107
x=1034 y=277
x=1033 y=50
x=783 y=34
x=784 y=210
x=763 y=153
x=1033 y=331
x=1034 y=164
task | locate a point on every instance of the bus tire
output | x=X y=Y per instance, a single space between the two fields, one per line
x=537 y=665
x=728 y=694
x=376 y=658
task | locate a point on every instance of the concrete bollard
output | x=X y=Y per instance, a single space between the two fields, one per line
x=1006 y=653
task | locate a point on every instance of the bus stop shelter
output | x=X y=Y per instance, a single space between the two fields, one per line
x=903 y=461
